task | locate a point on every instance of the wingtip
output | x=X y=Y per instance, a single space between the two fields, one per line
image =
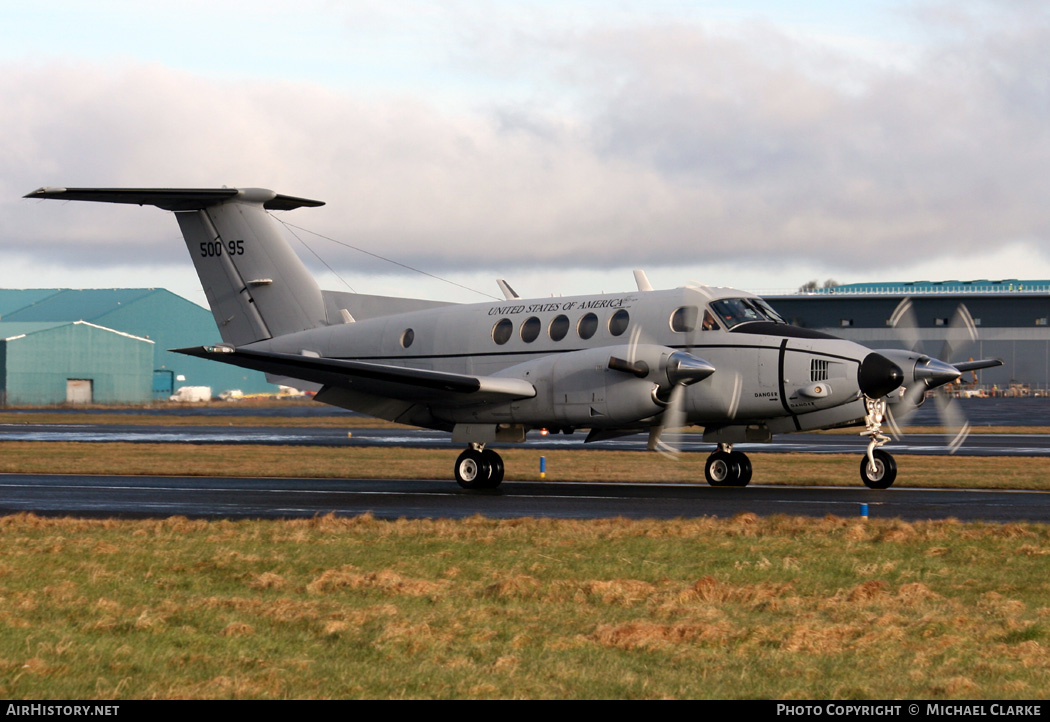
x=45 y=192
x=202 y=351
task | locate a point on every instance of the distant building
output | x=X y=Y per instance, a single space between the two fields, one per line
x=156 y=315
x=1010 y=319
x=55 y=362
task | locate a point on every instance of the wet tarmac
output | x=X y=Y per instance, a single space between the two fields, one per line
x=983 y=414
x=999 y=411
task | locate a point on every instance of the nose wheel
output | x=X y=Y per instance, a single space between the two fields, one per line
x=879 y=473
x=726 y=467
x=479 y=468
x=878 y=470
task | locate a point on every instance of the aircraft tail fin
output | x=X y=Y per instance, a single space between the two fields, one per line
x=256 y=285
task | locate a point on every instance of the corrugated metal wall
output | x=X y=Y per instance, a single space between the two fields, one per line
x=39 y=360
x=157 y=314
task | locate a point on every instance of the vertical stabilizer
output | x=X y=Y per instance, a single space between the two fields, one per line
x=255 y=283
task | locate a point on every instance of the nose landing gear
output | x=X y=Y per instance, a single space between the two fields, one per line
x=878 y=470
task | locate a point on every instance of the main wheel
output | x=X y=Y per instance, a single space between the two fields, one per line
x=884 y=473
x=472 y=470
x=495 y=464
x=743 y=465
x=721 y=469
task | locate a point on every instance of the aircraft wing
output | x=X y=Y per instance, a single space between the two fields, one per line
x=972 y=365
x=395 y=382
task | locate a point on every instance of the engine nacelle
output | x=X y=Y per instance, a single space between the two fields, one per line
x=921 y=373
x=583 y=389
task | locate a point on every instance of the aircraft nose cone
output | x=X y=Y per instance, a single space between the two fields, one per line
x=936 y=373
x=878 y=376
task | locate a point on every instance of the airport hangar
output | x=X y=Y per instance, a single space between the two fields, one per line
x=1010 y=320
x=107 y=346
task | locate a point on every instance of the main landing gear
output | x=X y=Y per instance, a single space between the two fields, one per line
x=479 y=468
x=878 y=470
x=726 y=467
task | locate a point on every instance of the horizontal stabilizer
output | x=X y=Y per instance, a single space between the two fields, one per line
x=372 y=378
x=176 y=199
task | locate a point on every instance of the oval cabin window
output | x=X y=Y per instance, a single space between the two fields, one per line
x=587 y=325
x=683 y=319
x=559 y=328
x=618 y=323
x=502 y=330
x=530 y=329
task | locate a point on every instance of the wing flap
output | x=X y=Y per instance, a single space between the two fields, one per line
x=397 y=382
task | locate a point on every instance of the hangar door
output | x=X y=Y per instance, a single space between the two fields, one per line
x=78 y=391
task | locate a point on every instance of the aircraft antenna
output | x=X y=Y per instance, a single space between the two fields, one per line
x=316 y=255
x=376 y=255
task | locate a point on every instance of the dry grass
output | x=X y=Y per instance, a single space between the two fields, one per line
x=331 y=607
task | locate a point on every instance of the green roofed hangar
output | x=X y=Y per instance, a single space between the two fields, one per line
x=44 y=347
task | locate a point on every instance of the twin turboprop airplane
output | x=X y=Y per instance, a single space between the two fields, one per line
x=615 y=364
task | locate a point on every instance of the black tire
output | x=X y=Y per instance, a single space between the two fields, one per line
x=472 y=470
x=744 y=466
x=721 y=469
x=885 y=470
x=495 y=464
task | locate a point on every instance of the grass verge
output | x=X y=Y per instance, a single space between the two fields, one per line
x=778 y=608
x=522 y=464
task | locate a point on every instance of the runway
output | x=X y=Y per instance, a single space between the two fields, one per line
x=273 y=498
x=977 y=444
x=106 y=496
x=982 y=413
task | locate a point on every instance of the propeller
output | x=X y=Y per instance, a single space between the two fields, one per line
x=679 y=369
x=924 y=373
x=682 y=370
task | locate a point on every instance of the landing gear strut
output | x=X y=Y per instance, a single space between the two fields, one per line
x=479 y=468
x=878 y=470
x=726 y=467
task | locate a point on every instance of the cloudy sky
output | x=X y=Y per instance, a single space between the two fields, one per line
x=555 y=144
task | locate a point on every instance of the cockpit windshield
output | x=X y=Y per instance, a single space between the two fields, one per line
x=735 y=311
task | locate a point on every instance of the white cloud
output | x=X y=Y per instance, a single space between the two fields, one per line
x=651 y=143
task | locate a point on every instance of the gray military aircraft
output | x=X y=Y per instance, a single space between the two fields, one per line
x=614 y=364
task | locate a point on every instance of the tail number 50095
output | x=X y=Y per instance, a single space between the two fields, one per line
x=211 y=249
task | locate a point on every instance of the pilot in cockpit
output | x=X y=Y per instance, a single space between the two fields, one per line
x=709 y=321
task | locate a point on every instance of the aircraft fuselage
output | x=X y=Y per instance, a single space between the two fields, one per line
x=769 y=373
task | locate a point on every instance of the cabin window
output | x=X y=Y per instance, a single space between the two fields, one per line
x=618 y=322
x=407 y=337
x=768 y=310
x=683 y=319
x=559 y=327
x=502 y=330
x=587 y=325
x=530 y=329
x=734 y=311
